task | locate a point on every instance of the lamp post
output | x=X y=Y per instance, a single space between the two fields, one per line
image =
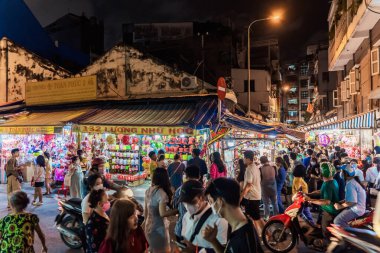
x=249 y=56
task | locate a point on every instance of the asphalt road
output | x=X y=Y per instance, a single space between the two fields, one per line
x=49 y=210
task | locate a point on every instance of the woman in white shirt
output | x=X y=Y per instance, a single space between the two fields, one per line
x=38 y=180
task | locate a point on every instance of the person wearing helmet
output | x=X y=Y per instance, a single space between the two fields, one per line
x=97 y=166
x=355 y=203
x=329 y=195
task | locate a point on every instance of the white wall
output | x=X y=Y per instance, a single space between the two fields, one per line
x=19 y=66
x=262 y=87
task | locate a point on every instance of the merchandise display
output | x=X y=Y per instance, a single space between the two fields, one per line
x=127 y=155
x=31 y=145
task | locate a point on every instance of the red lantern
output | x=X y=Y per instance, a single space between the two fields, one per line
x=125 y=139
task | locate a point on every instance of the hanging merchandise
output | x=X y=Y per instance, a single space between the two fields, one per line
x=127 y=155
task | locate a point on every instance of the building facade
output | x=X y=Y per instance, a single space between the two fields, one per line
x=354 y=40
x=261 y=100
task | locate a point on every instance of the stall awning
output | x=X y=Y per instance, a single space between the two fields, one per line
x=247 y=124
x=51 y=118
x=360 y=121
x=375 y=94
x=196 y=114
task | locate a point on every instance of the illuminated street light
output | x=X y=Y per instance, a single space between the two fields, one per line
x=274 y=18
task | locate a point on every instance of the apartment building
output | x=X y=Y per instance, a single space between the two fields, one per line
x=354 y=40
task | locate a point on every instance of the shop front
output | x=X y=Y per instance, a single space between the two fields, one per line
x=240 y=134
x=35 y=133
x=125 y=134
x=126 y=148
x=354 y=134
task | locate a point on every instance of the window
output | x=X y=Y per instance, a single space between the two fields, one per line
x=304 y=70
x=325 y=76
x=304 y=83
x=335 y=98
x=303 y=106
x=293 y=101
x=352 y=82
x=375 y=62
x=293 y=113
x=304 y=94
x=264 y=107
x=252 y=84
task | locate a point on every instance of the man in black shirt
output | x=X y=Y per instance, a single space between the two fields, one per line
x=197 y=161
x=224 y=195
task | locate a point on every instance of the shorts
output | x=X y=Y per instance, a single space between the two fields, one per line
x=39 y=184
x=252 y=208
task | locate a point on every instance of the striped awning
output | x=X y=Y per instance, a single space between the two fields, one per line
x=242 y=123
x=197 y=114
x=361 y=121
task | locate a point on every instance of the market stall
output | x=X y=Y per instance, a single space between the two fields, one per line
x=35 y=133
x=125 y=134
x=354 y=134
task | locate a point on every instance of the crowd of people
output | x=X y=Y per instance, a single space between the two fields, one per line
x=213 y=213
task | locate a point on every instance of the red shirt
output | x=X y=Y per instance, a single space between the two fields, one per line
x=136 y=243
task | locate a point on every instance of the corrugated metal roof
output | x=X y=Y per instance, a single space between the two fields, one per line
x=52 y=118
x=155 y=114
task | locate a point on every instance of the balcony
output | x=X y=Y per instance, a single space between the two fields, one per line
x=350 y=22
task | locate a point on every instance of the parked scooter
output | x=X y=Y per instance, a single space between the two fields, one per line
x=353 y=240
x=70 y=223
x=282 y=232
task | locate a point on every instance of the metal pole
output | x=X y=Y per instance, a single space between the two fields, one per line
x=203 y=60
x=249 y=61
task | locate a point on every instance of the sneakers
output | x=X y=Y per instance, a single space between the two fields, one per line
x=34 y=203
x=40 y=203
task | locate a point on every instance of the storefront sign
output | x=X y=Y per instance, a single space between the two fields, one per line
x=323 y=139
x=61 y=91
x=217 y=135
x=141 y=130
x=28 y=130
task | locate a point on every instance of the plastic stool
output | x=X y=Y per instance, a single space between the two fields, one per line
x=63 y=190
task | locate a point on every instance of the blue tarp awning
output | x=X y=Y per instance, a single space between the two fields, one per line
x=246 y=124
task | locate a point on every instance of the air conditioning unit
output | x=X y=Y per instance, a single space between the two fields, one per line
x=189 y=83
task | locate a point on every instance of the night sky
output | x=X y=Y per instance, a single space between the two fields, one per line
x=304 y=21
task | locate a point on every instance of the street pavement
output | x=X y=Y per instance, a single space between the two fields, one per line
x=49 y=210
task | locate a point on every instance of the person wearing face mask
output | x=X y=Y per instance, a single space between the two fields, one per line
x=95 y=182
x=199 y=215
x=355 y=203
x=76 y=182
x=223 y=194
x=124 y=234
x=313 y=172
x=192 y=172
x=358 y=172
x=96 y=227
x=98 y=167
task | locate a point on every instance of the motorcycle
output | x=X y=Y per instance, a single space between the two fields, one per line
x=69 y=223
x=282 y=232
x=352 y=240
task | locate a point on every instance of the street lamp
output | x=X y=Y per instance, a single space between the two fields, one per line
x=274 y=18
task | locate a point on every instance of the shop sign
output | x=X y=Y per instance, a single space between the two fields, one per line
x=323 y=139
x=61 y=91
x=138 y=130
x=217 y=135
x=28 y=130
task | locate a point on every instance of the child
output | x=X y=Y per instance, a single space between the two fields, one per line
x=299 y=182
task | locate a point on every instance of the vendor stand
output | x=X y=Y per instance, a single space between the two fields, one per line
x=355 y=134
x=35 y=133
